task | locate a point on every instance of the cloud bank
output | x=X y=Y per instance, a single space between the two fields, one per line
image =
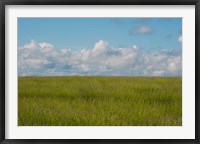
x=43 y=59
x=180 y=39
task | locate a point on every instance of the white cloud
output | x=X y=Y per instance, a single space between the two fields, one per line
x=100 y=47
x=142 y=30
x=45 y=45
x=180 y=39
x=158 y=72
x=36 y=63
x=31 y=45
x=43 y=59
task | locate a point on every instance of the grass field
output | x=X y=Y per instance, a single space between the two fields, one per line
x=99 y=101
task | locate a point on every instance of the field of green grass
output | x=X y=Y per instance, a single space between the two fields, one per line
x=99 y=101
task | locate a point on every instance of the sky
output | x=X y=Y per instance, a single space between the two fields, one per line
x=100 y=46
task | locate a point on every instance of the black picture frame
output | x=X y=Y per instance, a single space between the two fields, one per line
x=3 y=3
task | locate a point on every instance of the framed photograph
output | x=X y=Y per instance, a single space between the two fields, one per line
x=100 y=71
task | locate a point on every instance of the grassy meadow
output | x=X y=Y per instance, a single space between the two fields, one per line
x=99 y=101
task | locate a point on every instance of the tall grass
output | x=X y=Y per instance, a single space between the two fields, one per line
x=99 y=101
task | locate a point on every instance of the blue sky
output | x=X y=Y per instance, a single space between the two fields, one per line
x=85 y=37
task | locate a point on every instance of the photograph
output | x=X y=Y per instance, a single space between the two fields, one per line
x=99 y=71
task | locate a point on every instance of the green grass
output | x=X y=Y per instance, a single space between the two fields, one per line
x=99 y=101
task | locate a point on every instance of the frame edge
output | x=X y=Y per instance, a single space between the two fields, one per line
x=197 y=59
x=2 y=75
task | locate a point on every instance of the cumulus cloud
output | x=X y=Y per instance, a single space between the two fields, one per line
x=44 y=59
x=142 y=30
x=180 y=39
